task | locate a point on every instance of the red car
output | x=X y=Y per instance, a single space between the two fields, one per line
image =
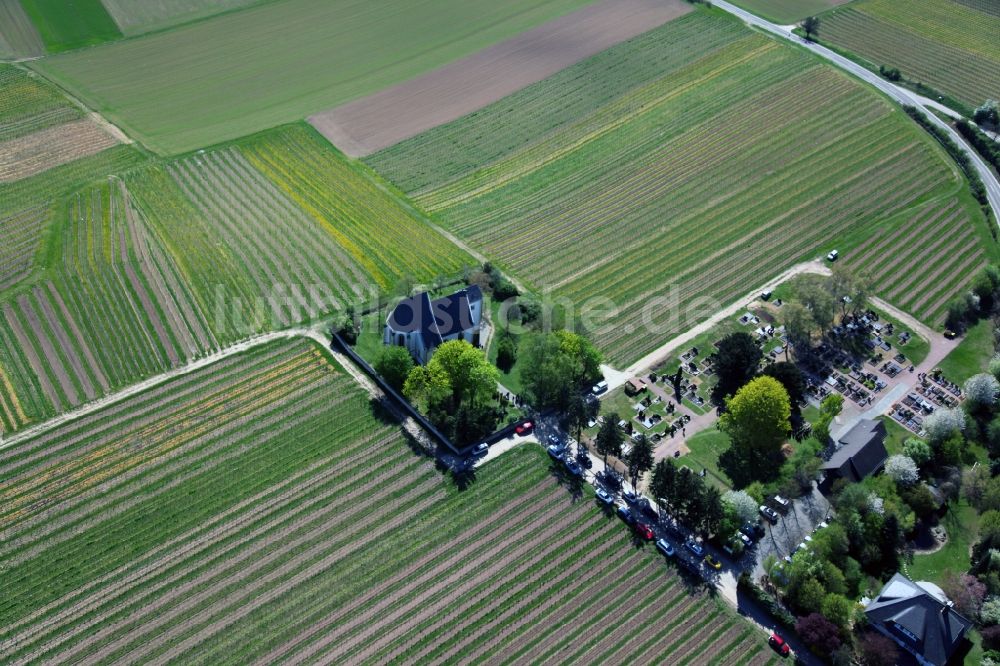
x=524 y=428
x=645 y=531
x=779 y=645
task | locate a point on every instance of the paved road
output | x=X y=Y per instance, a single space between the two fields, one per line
x=897 y=93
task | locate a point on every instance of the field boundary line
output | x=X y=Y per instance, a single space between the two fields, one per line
x=139 y=387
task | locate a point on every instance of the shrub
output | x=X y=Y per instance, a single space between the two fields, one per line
x=878 y=650
x=990 y=612
x=818 y=633
x=918 y=450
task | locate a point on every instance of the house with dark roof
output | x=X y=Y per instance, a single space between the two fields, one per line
x=861 y=452
x=919 y=618
x=421 y=324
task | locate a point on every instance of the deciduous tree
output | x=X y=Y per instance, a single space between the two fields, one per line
x=902 y=470
x=818 y=633
x=394 y=364
x=736 y=363
x=610 y=438
x=810 y=25
x=756 y=420
x=639 y=459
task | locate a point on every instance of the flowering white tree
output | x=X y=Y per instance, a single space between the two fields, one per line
x=743 y=505
x=995 y=366
x=876 y=504
x=944 y=423
x=982 y=390
x=902 y=470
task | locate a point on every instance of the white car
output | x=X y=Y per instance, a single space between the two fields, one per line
x=832 y=256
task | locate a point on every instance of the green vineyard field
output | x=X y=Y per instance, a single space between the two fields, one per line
x=734 y=158
x=260 y=511
x=952 y=46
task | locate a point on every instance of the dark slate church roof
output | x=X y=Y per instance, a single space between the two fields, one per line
x=862 y=447
x=920 y=616
x=436 y=319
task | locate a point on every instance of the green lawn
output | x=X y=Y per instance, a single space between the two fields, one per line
x=138 y=16
x=245 y=71
x=897 y=434
x=962 y=523
x=71 y=24
x=706 y=447
x=972 y=355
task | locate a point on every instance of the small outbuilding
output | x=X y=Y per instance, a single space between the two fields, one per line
x=635 y=386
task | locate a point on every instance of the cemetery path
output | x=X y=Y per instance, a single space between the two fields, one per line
x=659 y=355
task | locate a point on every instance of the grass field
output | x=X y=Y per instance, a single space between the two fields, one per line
x=70 y=25
x=18 y=36
x=135 y=17
x=261 y=511
x=962 y=524
x=199 y=84
x=664 y=172
x=949 y=45
x=786 y=12
x=972 y=355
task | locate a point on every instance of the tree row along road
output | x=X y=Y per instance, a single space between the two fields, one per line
x=897 y=93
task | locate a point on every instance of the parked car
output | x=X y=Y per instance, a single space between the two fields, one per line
x=782 y=502
x=604 y=497
x=599 y=388
x=556 y=451
x=648 y=509
x=630 y=497
x=664 y=547
x=832 y=256
x=753 y=530
x=712 y=562
x=584 y=460
x=481 y=449
x=611 y=479
x=779 y=644
x=555 y=440
x=674 y=530
x=747 y=541
x=572 y=467
x=769 y=513
x=645 y=531
x=695 y=547
x=524 y=428
x=625 y=514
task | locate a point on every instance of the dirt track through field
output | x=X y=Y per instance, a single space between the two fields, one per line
x=378 y=121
